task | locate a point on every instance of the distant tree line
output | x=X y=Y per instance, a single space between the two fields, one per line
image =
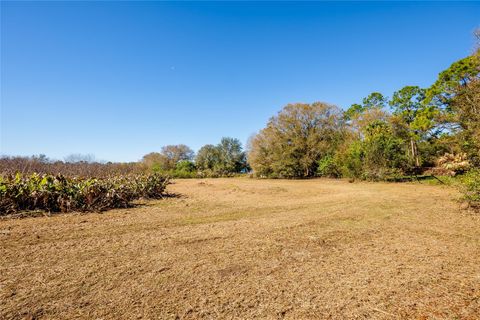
x=224 y=159
x=74 y=165
x=227 y=158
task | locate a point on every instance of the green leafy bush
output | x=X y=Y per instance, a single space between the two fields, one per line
x=471 y=188
x=328 y=167
x=185 y=169
x=351 y=160
x=57 y=193
x=185 y=166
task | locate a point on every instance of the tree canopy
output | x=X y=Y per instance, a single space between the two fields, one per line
x=296 y=139
x=168 y=157
x=225 y=158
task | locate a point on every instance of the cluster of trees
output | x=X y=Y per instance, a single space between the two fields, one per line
x=380 y=138
x=224 y=159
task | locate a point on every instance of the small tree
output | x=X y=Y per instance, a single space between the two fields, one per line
x=375 y=101
x=383 y=152
x=360 y=116
x=224 y=158
x=154 y=160
x=168 y=158
x=457 y=93
x=413 y=116
x=175 y=153
x=207 y=157
x=232 y=159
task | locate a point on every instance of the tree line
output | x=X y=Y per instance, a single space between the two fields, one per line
x=224 y=159
x=435 y=129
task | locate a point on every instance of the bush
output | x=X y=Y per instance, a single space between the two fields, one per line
x=471 y=188
x=327 y=167
x=185 y=166
x=351 y=160
x=57 y=193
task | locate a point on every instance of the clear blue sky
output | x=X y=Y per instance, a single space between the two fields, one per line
x=121 y=79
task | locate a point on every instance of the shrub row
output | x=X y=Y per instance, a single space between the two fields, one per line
x=35 y=164
x=57 y=193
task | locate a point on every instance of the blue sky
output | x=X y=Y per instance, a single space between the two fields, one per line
x=121 y=79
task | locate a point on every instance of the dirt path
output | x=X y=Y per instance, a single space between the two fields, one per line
x=249 y=249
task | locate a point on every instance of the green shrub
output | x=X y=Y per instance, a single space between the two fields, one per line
x=328 y=167
x=183 y=174
x=351 y=160
x=471 y=188
x=185 y=166
x=57 y=193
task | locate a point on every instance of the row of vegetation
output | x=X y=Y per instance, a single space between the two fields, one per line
x=78 y=166
x=227 y=158
x=412 y=132
x=61 y=194
x=81 y=184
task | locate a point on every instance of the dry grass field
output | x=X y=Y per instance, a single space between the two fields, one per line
x=250 y=249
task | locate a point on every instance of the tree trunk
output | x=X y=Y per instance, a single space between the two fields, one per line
x=413 y=145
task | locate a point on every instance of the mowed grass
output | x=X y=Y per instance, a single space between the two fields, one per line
x=250 y=249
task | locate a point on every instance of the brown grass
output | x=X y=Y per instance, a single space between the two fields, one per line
x=241 y=248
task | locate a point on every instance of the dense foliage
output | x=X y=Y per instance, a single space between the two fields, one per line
x=433 y=130
x=414 y=131
x=57 y=193
x=168 y=158
x=296 y=139
x=471 y=188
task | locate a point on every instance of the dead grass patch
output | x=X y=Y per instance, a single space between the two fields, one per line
x=249 y=249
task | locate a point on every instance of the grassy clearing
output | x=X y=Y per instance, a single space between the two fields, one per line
x=245 y=248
